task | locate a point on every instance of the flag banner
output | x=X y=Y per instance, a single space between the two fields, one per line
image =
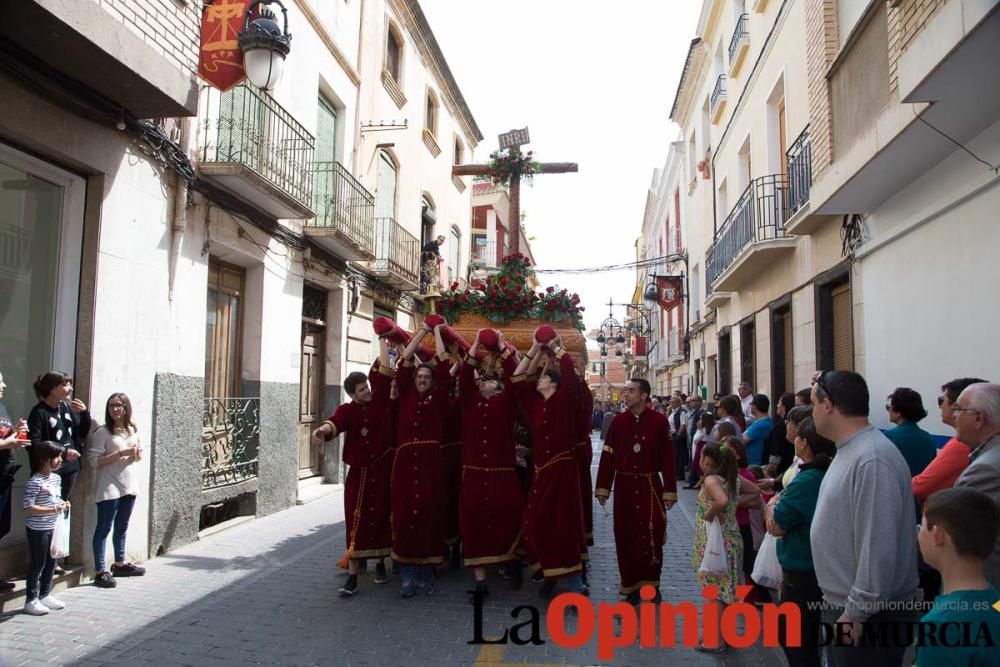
x=220 y=62
x=670 y=289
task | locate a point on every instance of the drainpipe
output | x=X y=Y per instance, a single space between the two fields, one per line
x=355 y=164
x=179 y=221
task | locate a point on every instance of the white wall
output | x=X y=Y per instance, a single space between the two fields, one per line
x=930 y=308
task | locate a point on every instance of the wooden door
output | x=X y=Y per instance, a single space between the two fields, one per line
x=310 y=399
x=223 y=331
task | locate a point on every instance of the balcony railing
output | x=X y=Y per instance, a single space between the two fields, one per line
x=342 y=203
x=247 y=128
x=719 y=92
x=230 y=437
x=487 y=255
x=397 y=253
x=740 y=34
x=799 y=159
x=759 y=215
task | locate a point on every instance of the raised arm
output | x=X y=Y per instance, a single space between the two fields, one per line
x=529 y=362
x=415 y=342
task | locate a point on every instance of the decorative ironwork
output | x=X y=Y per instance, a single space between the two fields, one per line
x=341 y=202
x=759 y=215
x=719 y=92
x=740 y=35
x=487 y=254
x=15 y=249
x=799 y=159
x=397 y=252
x=252 y=130
x=313 y=303
x=230 y=438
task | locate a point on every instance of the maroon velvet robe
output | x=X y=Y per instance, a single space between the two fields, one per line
x=637 y=451
x=368 y=442
x=418 y=470
x=554 y=536
x=492 y=503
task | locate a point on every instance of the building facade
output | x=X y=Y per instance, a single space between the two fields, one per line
x=831 y=153
x=220 y=263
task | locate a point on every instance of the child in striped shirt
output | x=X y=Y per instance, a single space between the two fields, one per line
x=42 y=504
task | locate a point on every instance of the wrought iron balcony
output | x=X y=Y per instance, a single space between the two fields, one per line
x=230 y=437
x=718 y=99
x=486 y=255
x=397 y=255
x=799 y=160
x=253 y=147
x=345 y=213
x=752 y=231
x=739 y=42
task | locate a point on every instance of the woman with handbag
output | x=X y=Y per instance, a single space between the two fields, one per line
x=789 y=517
x=12 y=437
x=113 y=451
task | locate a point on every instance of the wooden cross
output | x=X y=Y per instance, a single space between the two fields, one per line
x=514 y=139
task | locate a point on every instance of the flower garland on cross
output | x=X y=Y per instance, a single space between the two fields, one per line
x=507 y=296
x=510 y=162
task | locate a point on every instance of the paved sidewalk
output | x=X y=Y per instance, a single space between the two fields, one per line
x=264 y=593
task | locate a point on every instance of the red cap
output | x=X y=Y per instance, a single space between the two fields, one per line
x=489 y=339
x=386 y=328
x=433 y=320
x=544 y=334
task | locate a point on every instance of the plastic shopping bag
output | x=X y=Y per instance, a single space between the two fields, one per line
x=714 y=560
x=766 y=568
x=60 y=536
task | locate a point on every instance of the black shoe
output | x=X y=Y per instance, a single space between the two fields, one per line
x=690 y=485
x=127 y=570
x=105 y=580
x=546 y=590
x=350 y=587
x=380 y=574
x=516 y=575
x=537 y=577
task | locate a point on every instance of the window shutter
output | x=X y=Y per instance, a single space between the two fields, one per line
x=843 y=335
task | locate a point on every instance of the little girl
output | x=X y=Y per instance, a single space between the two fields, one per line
x=720 y=491
x=42 y=504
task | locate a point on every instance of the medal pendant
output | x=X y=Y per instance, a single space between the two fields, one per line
x=364 y=431
x=636 y=448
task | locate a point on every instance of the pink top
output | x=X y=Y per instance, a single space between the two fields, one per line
x=943 y=471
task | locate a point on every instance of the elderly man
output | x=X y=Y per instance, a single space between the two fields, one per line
x=864 y=544
x=746 y=400
x=695 y=410
x=977 y=421
x=677 y=418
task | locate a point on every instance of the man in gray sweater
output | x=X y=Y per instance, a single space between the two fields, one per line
x=977 y=424
x=864 y=534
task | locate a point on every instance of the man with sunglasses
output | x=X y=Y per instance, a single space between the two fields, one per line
x=952 y=459
x=977 y=421
x=863 y=539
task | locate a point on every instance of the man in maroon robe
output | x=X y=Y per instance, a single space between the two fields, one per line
x=451 y=458
x=492 y=503
x=637 y=453
x=418 y=539
x=366 y=424
x=554 y=537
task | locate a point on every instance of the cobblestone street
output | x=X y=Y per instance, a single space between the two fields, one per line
x=264 y=593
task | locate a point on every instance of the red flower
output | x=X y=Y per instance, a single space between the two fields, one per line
x=454 y=286
x=550 y=290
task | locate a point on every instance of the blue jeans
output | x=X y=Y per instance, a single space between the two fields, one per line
x=117 y=512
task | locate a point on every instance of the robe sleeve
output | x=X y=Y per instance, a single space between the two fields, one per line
x=570 y=384
x=442 y=381
x=380 y=379
x=667 y=461
x=404 y=377
x=606 y=469
x=340 y=420
x=467 y=380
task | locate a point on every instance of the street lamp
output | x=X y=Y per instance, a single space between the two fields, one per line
x=264 y=45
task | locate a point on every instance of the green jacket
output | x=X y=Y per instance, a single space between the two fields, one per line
x=794 y=513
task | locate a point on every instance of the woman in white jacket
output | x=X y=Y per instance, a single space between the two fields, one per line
x=113 y=451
